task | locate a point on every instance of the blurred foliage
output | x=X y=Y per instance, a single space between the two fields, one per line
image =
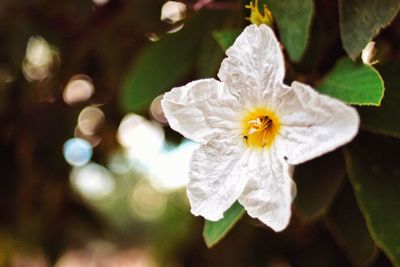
x=155 y=71
x=293 y=18
x=352 y=235
x=385 y=119
x=375 y=179
x=226 y=38
x=361 y=21
x=346 y=212
x=317 y=188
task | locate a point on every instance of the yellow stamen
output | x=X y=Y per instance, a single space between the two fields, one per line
x=257 y=16
x=260 y=127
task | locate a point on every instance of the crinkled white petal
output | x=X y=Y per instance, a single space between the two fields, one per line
x=218 y=174
x=312 y=124
x=254 y=64
x=201 y=109
x=269 y=191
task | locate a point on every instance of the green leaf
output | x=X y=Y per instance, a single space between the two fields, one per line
x=385 y=119
x=293 y=18
x=209 y=58
x=373 y=168
x=156 y=69
x=360 y=21
x=226 y=38
x=349 y=229
x=161 y=65
x=317 y=187
x=213 y=232
x=354 y=83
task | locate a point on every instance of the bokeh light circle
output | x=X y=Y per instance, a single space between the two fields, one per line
x=156 y=110
x=146 y=202
x=90 y=120
x=77 y=151
x=79 y=89
x=92 y=181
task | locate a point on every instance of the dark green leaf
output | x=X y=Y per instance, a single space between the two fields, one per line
x=226 y=38
x=316 y=187
x=385 y=119
x=213 y=232
x=319 y=252
x=354 y=83
x=360 y=21
x=162 y=64
x=293 y=18
x=209 y=58
x=349 y=229
x=374 y=171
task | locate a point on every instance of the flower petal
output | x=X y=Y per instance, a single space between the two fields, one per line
x=217 y=176
x=201 y=109
x=312 y=124
x=270 y=190
x=254 y=63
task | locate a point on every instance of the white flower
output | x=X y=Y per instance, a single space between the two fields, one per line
x=252 y=129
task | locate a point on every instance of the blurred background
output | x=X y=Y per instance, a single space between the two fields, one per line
x=91 y=175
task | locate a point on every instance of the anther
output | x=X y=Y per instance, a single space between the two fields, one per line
x=256 y=122
x=267 y=122
x=252 y=130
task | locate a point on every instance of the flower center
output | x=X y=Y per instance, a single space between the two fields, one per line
x=260 y=127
